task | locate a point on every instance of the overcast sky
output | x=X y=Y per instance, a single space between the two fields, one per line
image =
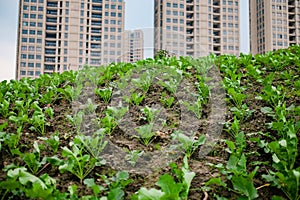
x=139 y=15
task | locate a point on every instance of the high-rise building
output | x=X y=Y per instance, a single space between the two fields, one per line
x=59 y=35
x=133 y=46
x=274 y=24
x=196 y=28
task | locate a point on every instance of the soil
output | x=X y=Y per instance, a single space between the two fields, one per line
x=124 y=138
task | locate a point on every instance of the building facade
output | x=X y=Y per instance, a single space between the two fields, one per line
x=54 y=36
x=274 y=24
x=197 y=28
x=133 y=46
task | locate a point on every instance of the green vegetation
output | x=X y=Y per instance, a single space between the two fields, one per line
x=57 y=132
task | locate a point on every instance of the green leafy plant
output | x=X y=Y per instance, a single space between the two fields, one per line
x=108 y=123
x=149 y=113
x=52 y=141
x=77 y=163
x=116 y=184
x=20 y=181
x=146 y=134
x=167 y=101
x=104 y=94
x=33 y=160
x=133 y=156
x=236 y=168
x=188 y=143
x=169 y=188
x=195 y=107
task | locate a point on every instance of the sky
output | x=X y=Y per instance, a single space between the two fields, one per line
x=139 y=15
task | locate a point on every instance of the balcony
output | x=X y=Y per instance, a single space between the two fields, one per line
x=52 y=4
x=96 y=8
x=96 y=23
x=95 y=46
x=51 y=12
x=51 y=20
x=96 y=38
x=50 y=44
x=99 y=16
x=95 y=53
x=51 y=35
x=50 y=59
x=216 y=3
x=50 y=51
x=51 y=28
x=96 y=30
x=50 y=67
x=217 y=33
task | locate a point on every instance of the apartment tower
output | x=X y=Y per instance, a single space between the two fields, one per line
x=59 y=35
x=274 y=24
x=197 y=28
x=133 y=46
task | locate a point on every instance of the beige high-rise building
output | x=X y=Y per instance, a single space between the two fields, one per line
x=54 y=36
x=197 y=28
x=133 y=46
x=274 y=24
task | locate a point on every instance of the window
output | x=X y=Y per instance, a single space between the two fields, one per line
x=37 y=73
x=24 y=31
x=32 y=32
x=168 y=4
x=38 y=65
x=113 y=14
x=41 y=8
x=113 y=6
x=30 y=73
x=25 y=7
x=175 y=5
x=168 y=12
x=23 y=64
x=24 y=56
x=30 y=64
x=30 y=56
x=24 y=48
x=40 y=16
x=24 y=39
x=31 y=40
x=119 y=14
x=67 y=11
x=38 y=57
x=67 y=4
x=25 y=15
x=23 y=73
x=31 y=48
x=38 y=40
x=40 y=24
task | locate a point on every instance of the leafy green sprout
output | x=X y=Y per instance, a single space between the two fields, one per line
x=188 y=143
x=167 y=101
x=104 y=94
x=133 y=156
x=150 y=113
x=146 y=134
x=195 y=107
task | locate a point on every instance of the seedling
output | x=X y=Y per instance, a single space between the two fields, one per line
x=33 y=160
x=146 y=133
x=150 y=114
x=104 y=94
x=167 y=101
x=133 y=156
x=188 y=143
x=52 y=141
x=195 y=107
